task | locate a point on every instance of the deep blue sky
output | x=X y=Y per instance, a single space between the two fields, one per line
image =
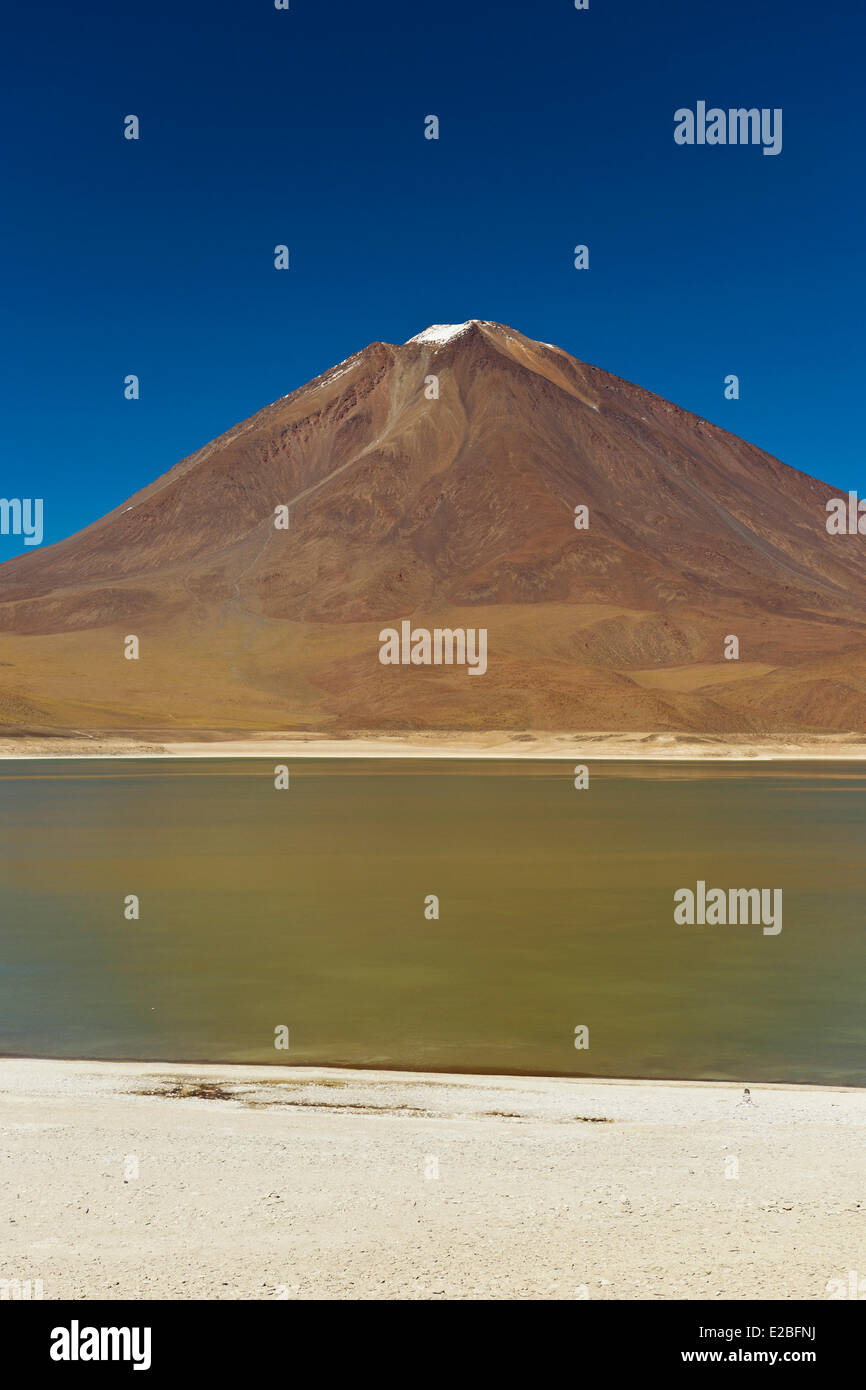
x=261 y=126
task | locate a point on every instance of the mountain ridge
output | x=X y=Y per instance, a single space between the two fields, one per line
x=404 y=503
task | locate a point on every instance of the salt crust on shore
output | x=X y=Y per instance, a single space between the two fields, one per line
x=493 y=744
x=263 y=1183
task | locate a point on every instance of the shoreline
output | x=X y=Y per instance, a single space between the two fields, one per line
x=267 y=1072
x=490 y=746
x=168 y=1181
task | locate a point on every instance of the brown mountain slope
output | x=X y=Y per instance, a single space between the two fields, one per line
x=452 y=511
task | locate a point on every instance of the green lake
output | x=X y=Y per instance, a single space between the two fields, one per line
x=305 y=909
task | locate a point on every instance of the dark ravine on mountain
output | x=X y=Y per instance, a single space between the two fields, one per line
x=437 y=481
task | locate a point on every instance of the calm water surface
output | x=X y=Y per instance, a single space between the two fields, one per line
x=306 y=908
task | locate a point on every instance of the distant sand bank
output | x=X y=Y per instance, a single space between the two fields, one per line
x=141 y=1180
x=492 y=745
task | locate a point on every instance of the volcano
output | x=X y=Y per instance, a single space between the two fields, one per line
x=609 y=543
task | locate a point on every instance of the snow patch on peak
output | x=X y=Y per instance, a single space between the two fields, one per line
x=442 y=332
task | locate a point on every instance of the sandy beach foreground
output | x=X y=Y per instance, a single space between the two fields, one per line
x=134 y=1180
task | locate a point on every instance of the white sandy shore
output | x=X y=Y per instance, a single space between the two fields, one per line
x=321 y=1183
x=480 y=745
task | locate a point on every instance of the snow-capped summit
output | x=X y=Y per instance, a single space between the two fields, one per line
x=442 y=332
